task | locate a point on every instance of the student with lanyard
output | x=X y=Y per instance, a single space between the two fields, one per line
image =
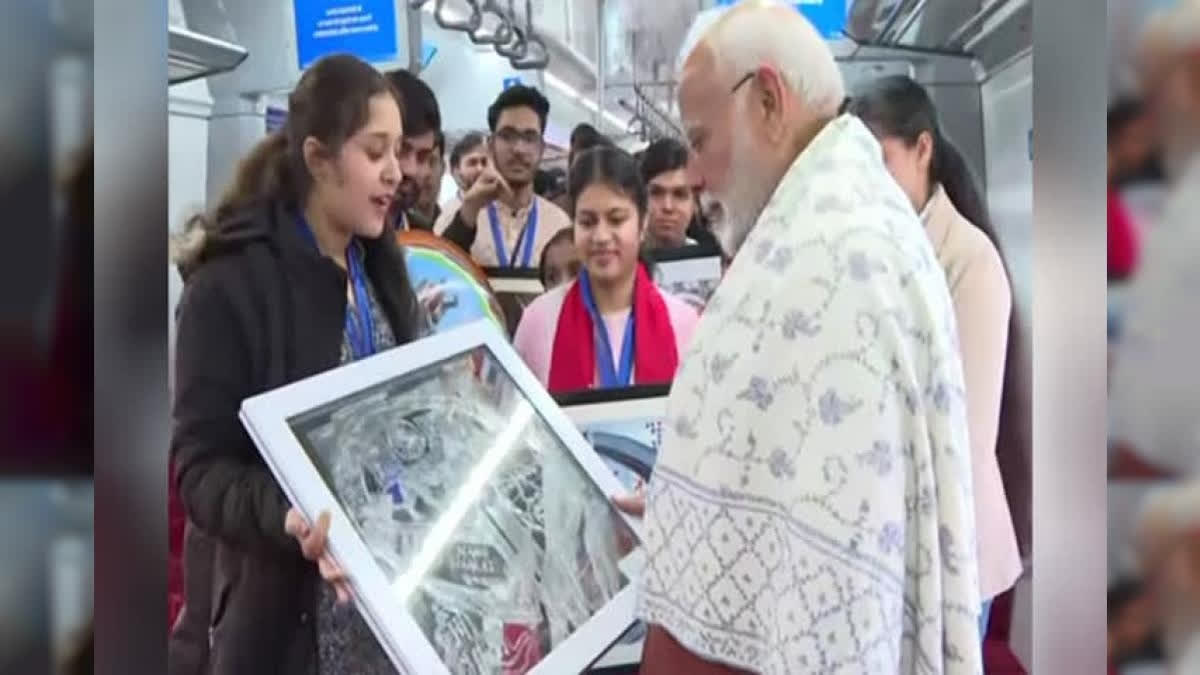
x=295 y=272
x=516 y=223
x=611 y=327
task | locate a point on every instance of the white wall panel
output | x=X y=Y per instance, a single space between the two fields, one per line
x=1007 y=122
x=189 y=107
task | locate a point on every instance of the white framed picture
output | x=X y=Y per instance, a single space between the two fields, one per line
x=691 y=273
x=471 y=516
x=624 y=427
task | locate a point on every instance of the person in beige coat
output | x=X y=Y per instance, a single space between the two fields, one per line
x=939 y=183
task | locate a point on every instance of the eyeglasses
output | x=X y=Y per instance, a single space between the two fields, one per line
x=746 y=78
x=510 y=136
x=696 y=139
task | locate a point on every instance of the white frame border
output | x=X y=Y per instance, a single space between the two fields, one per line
x=620 y=409
x=266 y=418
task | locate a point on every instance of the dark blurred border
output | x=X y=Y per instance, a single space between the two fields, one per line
x=1070 y=90
x=131 y=416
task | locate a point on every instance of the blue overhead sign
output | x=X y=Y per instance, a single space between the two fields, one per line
x=366 y=29
x=512 y=82
x=827 y=16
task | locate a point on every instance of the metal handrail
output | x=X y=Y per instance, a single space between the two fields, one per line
x=515 y=47
x=541 y=57
x=973 y=22
x=471 y=24
x=503 y=32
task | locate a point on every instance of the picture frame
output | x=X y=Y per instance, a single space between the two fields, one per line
x=459 y=558
x=625 y=428
x=515 y=288
x=690 y=273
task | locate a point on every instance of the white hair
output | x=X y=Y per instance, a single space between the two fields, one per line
x=1165 y=39
x=754 y=33
x=1166 y=35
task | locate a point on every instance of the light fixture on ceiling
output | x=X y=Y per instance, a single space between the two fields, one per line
x=586 y=101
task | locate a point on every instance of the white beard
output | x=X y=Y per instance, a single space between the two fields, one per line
x=1180 y=147
x=746 y=196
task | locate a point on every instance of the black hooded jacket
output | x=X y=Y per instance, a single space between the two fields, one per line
x=261 y=308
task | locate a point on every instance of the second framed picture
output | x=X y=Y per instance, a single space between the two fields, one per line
x=624 y=426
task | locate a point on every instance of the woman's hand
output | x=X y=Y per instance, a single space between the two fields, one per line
x=312 y=546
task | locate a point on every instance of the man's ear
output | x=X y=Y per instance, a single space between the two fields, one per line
x=769 y=97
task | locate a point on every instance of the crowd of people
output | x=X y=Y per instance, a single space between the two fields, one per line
x=1154 y=150
x=848 y=450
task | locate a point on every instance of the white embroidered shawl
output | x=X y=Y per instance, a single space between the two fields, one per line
x=810 y=510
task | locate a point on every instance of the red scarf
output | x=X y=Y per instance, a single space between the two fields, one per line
x=1124 y=247
x=573 y=359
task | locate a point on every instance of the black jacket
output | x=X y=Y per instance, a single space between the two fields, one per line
x=460 y=232
x=260 y=309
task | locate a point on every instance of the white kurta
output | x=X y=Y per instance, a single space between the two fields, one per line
x=810 y=509
x=1155 y=392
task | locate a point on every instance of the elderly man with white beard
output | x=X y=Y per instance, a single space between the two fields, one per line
x=1155 y=392
x=811 y=507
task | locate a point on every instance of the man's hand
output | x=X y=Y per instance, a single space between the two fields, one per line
x=633 y=504
x=487 y=188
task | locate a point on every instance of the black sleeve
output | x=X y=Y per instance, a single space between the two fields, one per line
x=703 y=235
x=460 y=233
x=225 y=488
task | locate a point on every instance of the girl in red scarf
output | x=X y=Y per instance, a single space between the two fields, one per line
x=612 y=326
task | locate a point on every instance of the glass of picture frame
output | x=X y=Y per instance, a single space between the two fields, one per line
x=471 y=516
x=690 y=273
x=624 y=426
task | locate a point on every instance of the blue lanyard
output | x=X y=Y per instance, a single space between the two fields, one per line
x=528 y=236
x=609 y=377
x=359 y=322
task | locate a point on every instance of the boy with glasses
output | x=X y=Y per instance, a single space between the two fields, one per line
x=502 y=222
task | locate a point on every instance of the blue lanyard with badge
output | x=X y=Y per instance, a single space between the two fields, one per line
x=610 y=377
x=359 y=322
x=527 y=237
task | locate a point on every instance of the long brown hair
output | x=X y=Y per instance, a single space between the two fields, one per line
x=330 y=103
x=899 y=107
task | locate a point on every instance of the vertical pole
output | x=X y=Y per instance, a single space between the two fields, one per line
x=413 y=24
x=601 y=61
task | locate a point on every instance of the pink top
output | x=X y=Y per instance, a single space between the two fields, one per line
x=534 y=340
